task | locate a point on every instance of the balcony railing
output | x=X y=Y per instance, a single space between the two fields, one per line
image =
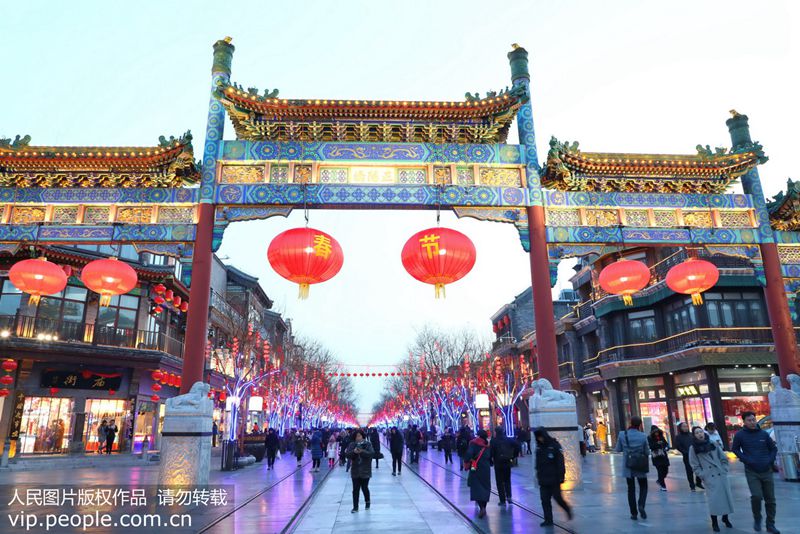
x=79 y=332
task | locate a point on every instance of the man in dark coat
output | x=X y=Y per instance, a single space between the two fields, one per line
x=396 y=448
x=271 y=443
x=375 y=441
x=462 y=442
x=360 y=454
x=447 y=443
x=480 y=473
x=503 y=451
x=414 y=439
x=757 y=452
x=550 y=472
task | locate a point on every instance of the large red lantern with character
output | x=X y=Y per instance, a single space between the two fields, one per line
x=37 y=278
x=693 y=277
x=109 y=277
x=625 y=278
x=438 y=256
x=305 y=256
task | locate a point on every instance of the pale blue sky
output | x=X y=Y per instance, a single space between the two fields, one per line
x=617 y=76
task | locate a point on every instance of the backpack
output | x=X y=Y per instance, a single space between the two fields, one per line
x=635 y=460
x=505 y=450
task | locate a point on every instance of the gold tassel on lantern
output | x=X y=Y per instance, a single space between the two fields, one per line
x=303 y=294
x=627 y=300
x=440 y=291
x=697 y=299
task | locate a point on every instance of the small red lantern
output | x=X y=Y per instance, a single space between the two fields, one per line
x=156 y=387
x=438 y=256
x=168 y=294
x=6 y=380
x=9 y=366
x=159 y=299
x=4 y=393
x=185 y=306
x=305 y=256
x=158 y=309
x=53 y=390
x=176 y=301
x=154 y=397
x=625 y=277
x=109 y=277
x=223 y=396
x=157 y=375
x=693 y=277
x=37 y=278
x=178 y=381
x=86 y=374
x=159 y=289
x=112 y=392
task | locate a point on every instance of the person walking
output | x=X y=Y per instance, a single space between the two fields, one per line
x=710 y=463
x=683 y=442
x=111 y=433
x=414 y=441
x=299 y=447
x=214 y=433
x=659 y=449
x=344 y=441
x=396 y=448
x=503 y=452
x=550 y=474
x=271 y=443
x=331 y=451
x=632 y=443
x=590 y=437
x=602 y=436
x=316 y=451
x=360 y=454
x=479 y=479
x=462 y=444
x=101 y=436
x=757 y=452
x=713 y=435
x=375 y=441
x=447 y=444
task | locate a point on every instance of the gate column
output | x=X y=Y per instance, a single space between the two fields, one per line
x=540 y=270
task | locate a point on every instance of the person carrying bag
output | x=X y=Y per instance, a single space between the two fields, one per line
x=632 y=443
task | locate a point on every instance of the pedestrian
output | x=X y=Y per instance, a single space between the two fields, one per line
x=602 y=436
x=271 y=444
x=550 y=474
x=683 y=441
x=111 y=433
x=590 y=437
x=214 y=433
x=344 y=441
x=503 y=450
x=659 y=448
x=447 y=444
x=479 y=479
x=316 y=451
x=713 y=435
x=462 y=443
x=757 y=452
x=299 y=447
x=375 y=441
x=710 y=463
x=414 y=441
x=331 y=451
x=632 y=443
x=360 y=453
x=396 y=448
x=101 y=436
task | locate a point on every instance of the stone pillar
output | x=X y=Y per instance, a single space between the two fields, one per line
x=555 y=411
x=186 y=438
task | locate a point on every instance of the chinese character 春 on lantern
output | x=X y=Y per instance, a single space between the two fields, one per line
x=305 y=256
x=438 y=256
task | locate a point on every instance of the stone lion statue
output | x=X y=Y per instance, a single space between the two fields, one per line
x=783 y=396
x=794 y=382
x=545 y=395
x=196 y=399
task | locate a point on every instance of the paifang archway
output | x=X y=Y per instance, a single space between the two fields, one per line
x=365 y=154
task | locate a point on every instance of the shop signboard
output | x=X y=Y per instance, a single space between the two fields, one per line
x=80 y=379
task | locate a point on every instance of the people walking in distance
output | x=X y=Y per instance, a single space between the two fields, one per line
x=344 y=441
x=524 y=437
x=316 y=451
x=101 y=436
x=331 y=451
x=713 y=435
x=710 y=463
x=396 y=448
x=659 y=448
x=360 y=454
x=271 y=443
x=602 y=435
x=214 y=433
x=462 y=444
x=479 y=480
x=683 y=441
x=447 y=444
x=503 y=451
x=550 y=474
x=632 y=443
x=757 y=452
x=111 y=433
x=375 y=441
x=414 y=442
x=590 y=437
x=299 y=447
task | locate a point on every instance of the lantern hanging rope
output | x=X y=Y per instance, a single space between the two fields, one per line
x=37 y=278
x=305 y=256
x=438 y=256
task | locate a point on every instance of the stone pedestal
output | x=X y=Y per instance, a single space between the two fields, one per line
x=556 y=412
x=186 y=438
x=785 y=412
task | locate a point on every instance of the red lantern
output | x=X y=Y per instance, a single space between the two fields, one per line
x=157 y=375
x=185 y=306
x=438 y=256
x=305 y=256
x=109 y=277
x=6 y=380
x=176 y=301
x=53 y=391
x=625 y=277
x=9 y=366
x=168 y=294
x=693 y=277
x=158 y=309
x=154 y=397
x=86 y=374
x=178 y=381
x=111 y=392
x=37 y=278
x=159 y=299
x=159 y=289
x=4 y=393
x=156 y=387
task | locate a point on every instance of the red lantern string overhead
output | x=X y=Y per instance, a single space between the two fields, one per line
x=168 y=294
x=305 y=256
x=37 y=278
x=6 y=380
x=176 y=301
x=154 y=397
x=625 y=277
x=693 y=277
x=109 y=277
x=9 y=366
x=157 y=375
x=438 y=256
x=156 y=387
x=185 y=306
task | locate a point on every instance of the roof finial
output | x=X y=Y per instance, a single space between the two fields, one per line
x=735 y=113
x=514 y=46
x=228 y=39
